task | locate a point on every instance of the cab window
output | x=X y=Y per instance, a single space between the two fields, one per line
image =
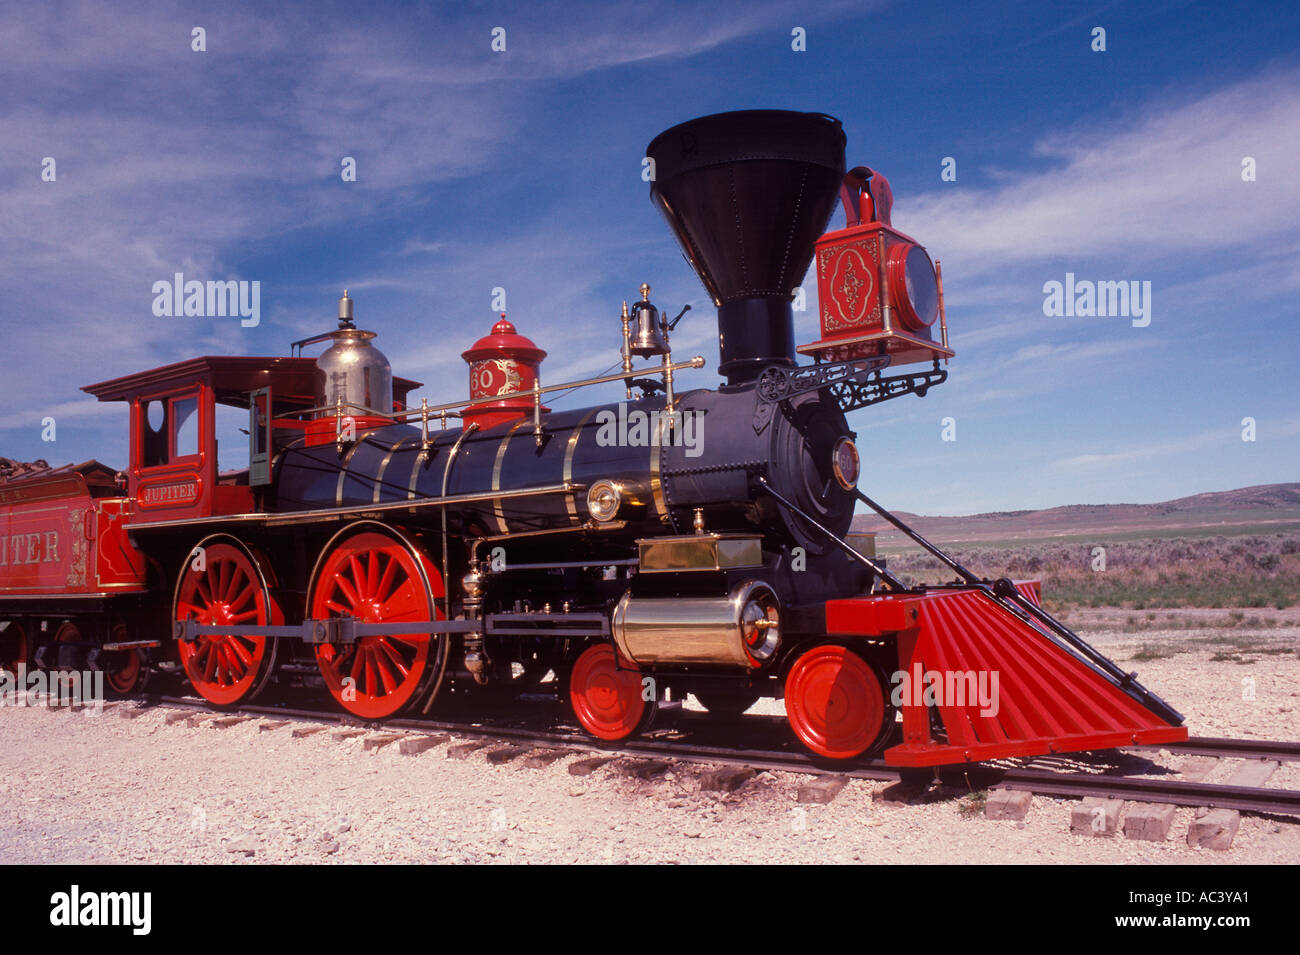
x=169 y=430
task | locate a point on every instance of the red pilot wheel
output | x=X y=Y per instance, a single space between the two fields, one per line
x=835 y=702
x=607 y=701
x=378 y=577
x=223 y=582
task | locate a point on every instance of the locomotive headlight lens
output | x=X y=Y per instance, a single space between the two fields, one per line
x=913 y=286
x=603 y=501
x=846 y=463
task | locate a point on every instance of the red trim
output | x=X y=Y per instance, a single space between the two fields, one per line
x=324 y=430
x=872 y=616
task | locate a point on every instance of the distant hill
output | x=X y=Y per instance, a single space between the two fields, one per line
x=1265 y=508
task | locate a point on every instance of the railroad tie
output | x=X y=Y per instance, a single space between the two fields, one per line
x=1216 y=828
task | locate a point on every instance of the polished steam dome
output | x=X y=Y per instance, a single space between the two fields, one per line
x=352 y=371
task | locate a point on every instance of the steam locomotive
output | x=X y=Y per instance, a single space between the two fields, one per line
x=673 y=542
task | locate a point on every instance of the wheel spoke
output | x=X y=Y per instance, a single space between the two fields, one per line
x=238 y=650
x=349 y=594
x=370 y=672
x=390 y=653
x=411 y=641
x=210 y=669
x=242 y=598
x=218 y=584
x=359 y=577
x=225 y=674
x=236 y=576
x=372 y=576
x=382 y=667
x=384 y=587
x=201 y=650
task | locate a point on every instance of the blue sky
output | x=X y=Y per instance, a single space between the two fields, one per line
x=478 y=169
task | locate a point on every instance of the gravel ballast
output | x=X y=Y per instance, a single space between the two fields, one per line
x=100 y=789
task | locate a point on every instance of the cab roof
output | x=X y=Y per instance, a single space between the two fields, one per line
x=292 y=380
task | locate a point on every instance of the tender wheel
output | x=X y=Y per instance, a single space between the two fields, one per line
x=726 y=705
x=14 y=648
x=378 y=577
x=130 y=671
x=229 y=585
x=607 y=701
x=68 y=632
x=835 y=702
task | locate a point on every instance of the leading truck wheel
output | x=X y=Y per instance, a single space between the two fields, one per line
x=835 y=702
x=378 y=576
x=609 y=702
x=225 y=582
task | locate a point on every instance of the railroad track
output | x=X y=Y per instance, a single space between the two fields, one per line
x=731 y=745
x=1242 y=748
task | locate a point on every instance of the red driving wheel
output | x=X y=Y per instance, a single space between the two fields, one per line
x=223 y=583
x=835 y=702
x=374 y=577
x=607 y=701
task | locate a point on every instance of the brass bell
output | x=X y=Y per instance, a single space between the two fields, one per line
x=648 y=335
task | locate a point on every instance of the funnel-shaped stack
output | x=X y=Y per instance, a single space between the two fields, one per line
x=747 y=194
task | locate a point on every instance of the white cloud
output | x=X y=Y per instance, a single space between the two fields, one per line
x=1110 y=462
x=1154 y=185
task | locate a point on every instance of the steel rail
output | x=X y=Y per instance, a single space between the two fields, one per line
x=1281 y=750
x=1177 y=791
x=1041 y=781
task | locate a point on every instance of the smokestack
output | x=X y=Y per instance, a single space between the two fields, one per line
x=747 y=194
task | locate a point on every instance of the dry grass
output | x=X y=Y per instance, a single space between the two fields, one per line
x=973 y=805
x=1245 y=571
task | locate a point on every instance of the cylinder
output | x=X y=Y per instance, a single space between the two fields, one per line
x=739 y=629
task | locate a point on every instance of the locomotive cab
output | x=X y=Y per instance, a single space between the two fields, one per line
x=174 y=472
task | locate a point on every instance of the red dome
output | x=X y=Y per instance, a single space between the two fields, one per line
x=500 y=364
x=504 y=341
